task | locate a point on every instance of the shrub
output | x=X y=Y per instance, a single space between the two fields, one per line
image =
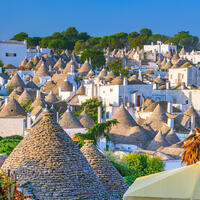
x=124 y=171
x=143 y=164
x=129 y=179
x=7 y=144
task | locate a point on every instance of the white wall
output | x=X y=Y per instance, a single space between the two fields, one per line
x=12 y=126
x=15 y=48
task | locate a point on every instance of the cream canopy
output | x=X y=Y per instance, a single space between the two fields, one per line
x=181 y=183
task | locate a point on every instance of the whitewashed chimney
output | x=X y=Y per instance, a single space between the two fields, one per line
x=99 y=114
x=28 y=121
x=37 y=93
x=170 y=122
x=168 y=86
x=6 y=100
x=169 y=108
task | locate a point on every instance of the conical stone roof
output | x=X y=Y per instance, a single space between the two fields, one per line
x=110 y=76
x=24 y=62
x=68 y=120
x=59 y=65
x=117 y=81
x=65 y=85
x=81 y=90
x=86 y=120
x=172 y=138
x=124 y=118
x=14 y=94
x=158 y=141
x=24 y=97
x=29 y=65
x=39 y=64
x=35 y=60
x=69 y=65
x=108 y=175
x=85 y=68
x=32 y=85
x=39 y=101
x=42 y=71
x=53 y=165
x=158 y=115
x=51 y=98
x=13 y=108
x=16 y=81
x=103 y=73
x=182 y=52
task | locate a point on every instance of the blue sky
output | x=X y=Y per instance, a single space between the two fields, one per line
x=98 y=17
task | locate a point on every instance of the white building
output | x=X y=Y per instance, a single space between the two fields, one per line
x=189 y=75
x=161 y=48
x=31 y=52
x=193 y=56
x=12 y=52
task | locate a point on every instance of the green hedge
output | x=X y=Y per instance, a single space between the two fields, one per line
x=7 y=144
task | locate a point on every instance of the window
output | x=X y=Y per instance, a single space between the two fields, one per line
x=11 y=54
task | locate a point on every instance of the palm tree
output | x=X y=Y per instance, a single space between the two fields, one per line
x=95 y=132
x=191 y=146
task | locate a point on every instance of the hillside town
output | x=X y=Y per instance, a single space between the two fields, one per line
x=151 y=105
x=88 y=123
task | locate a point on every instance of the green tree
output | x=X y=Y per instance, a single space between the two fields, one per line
x=91 y=106
x=138 y=42
x=92 y=42
x=97 y=57
x=33 y=41
x=95 y=132
x=184 y=39
x=20 y=36
x=158 y=37
x=83 y=36
x=146 y=32
x=133 y=35
x=116 y=66
x=79 y=46
x=57 y=35
x=45 y=41
x=1 y=63
x=56 y=44
x=71 y=32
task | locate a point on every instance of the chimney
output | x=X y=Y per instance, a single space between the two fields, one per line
x=50 y=68
x=169 y=108
x=74 y=88
x=155 y=86
x=192 y=121
x=168 y=86
x=6 y=100
x=125 y=81
x=28 y=121
x=170 y=122
x=182 y=86
x=99 y=114
x=57 y=117
x=37 y=93
x=72 y=68
x=140 y=75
